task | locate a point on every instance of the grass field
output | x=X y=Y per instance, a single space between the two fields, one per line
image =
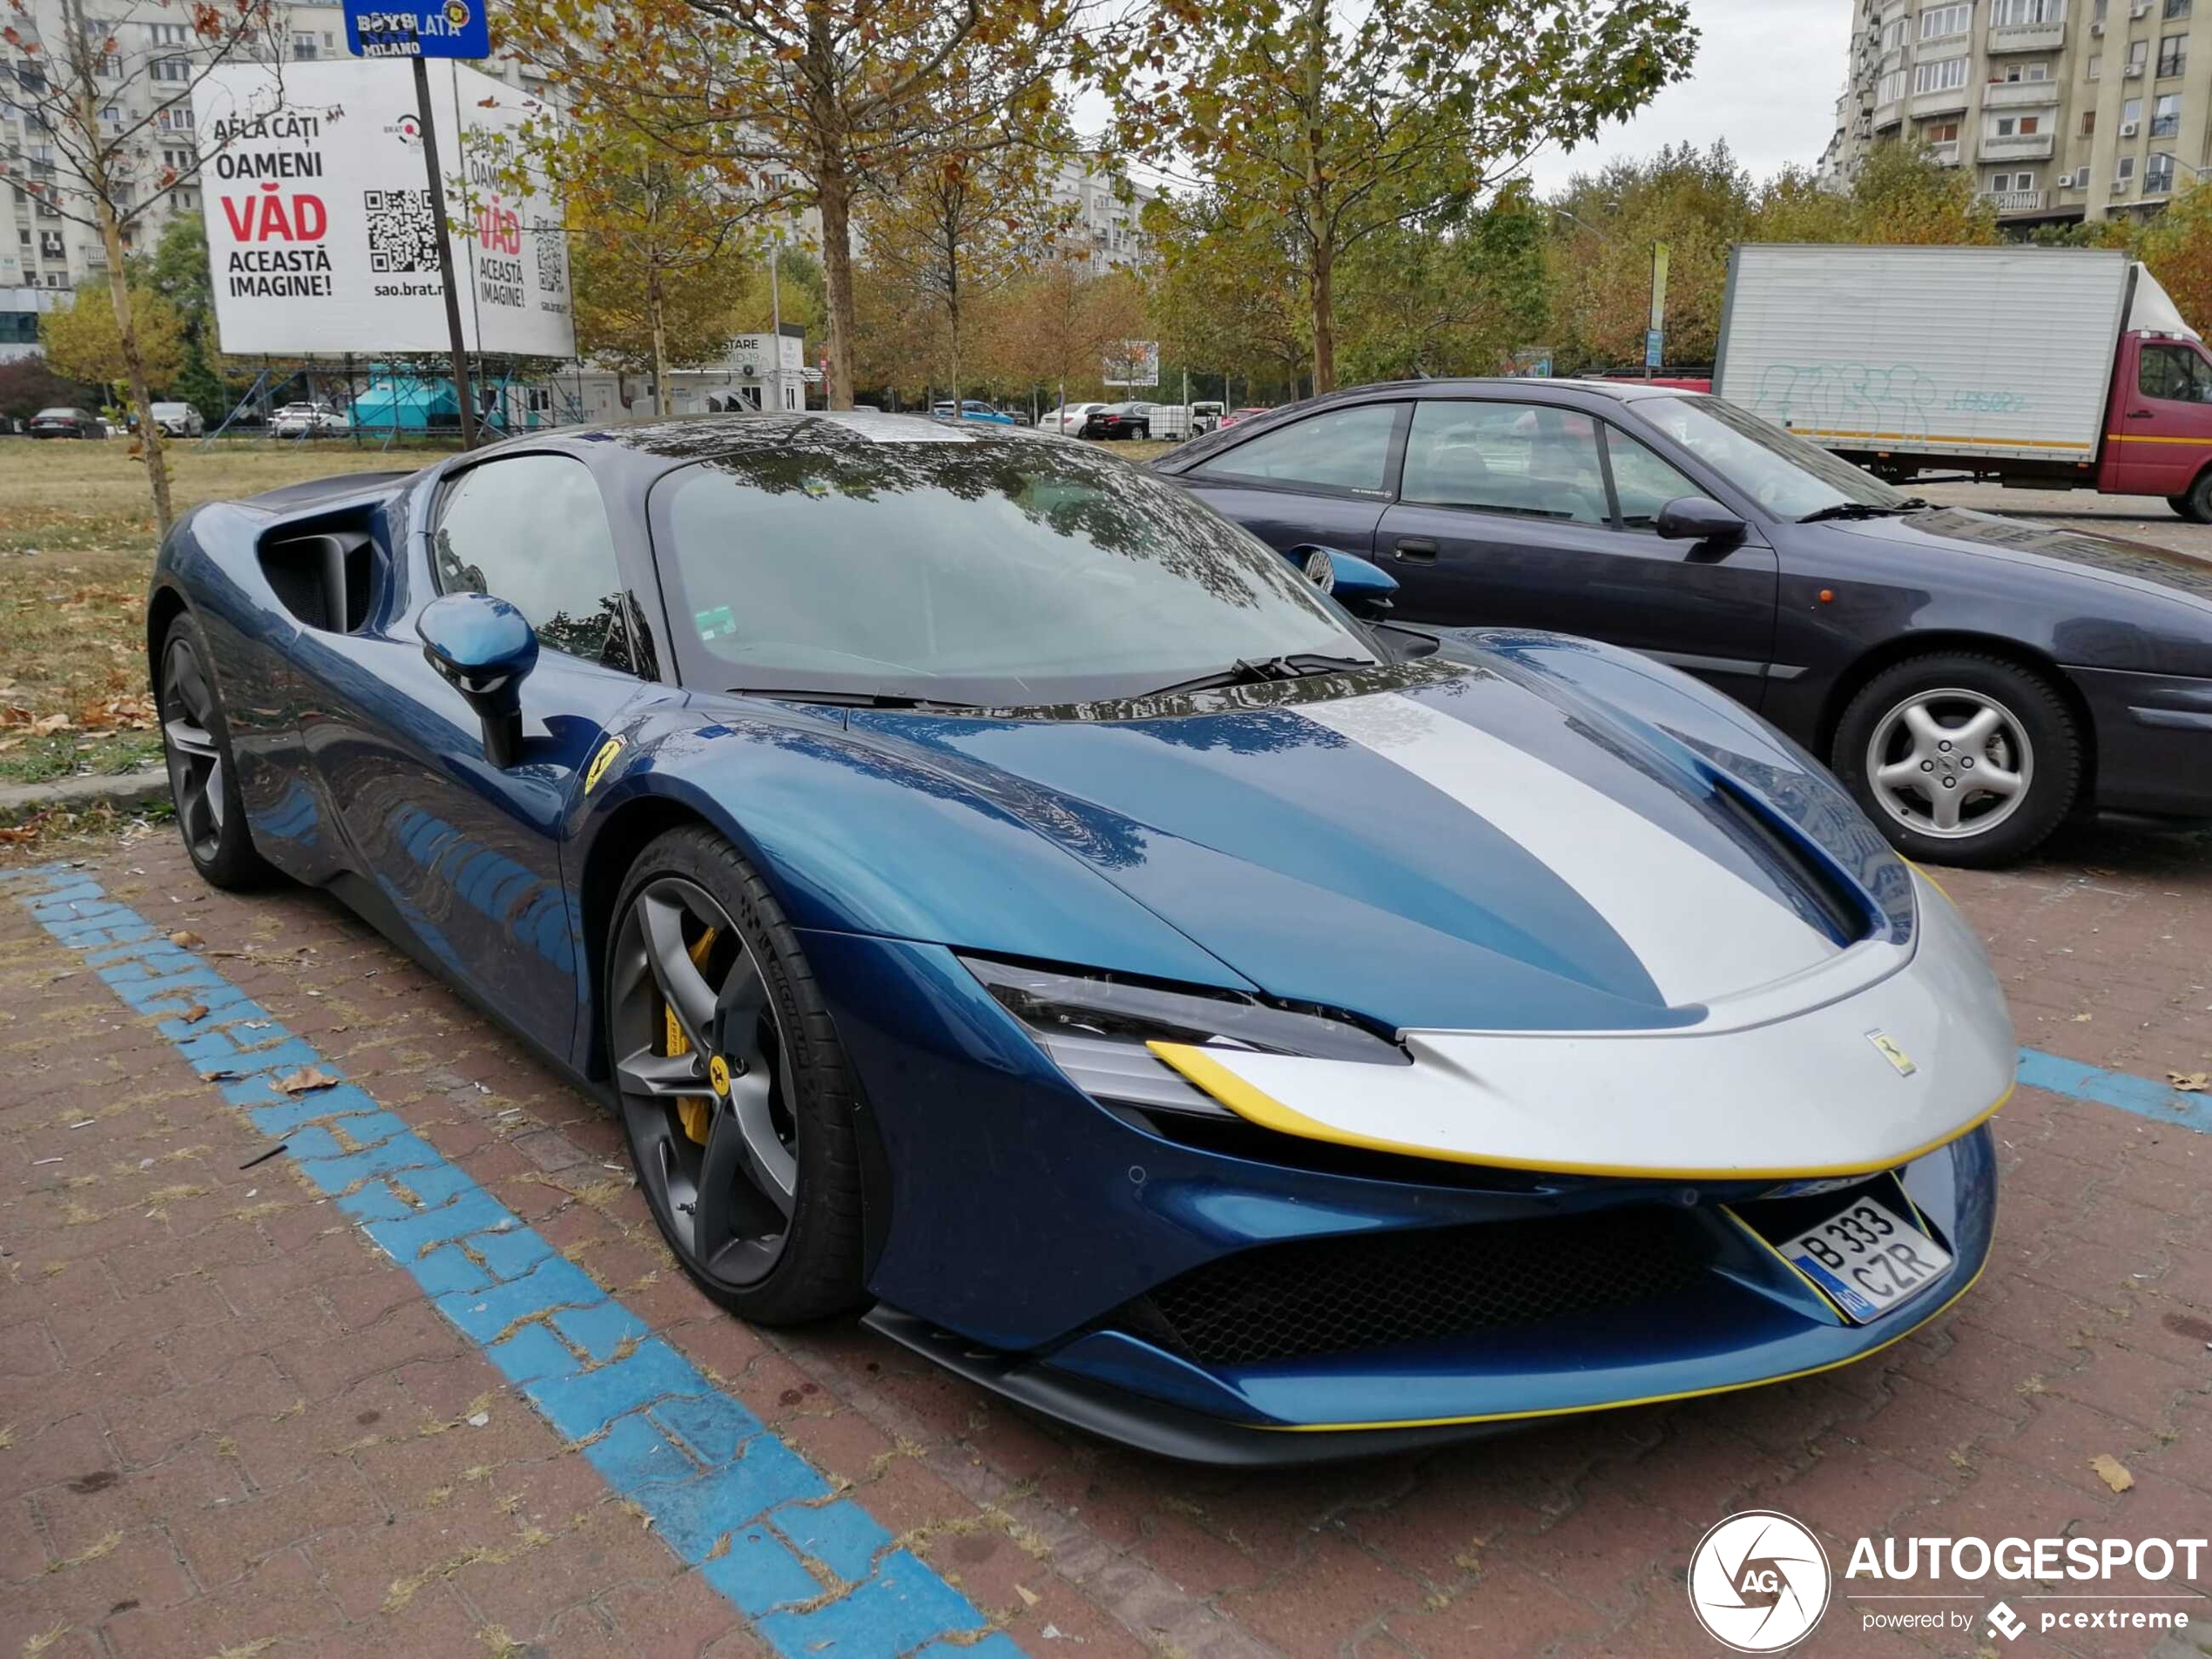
x=76 y=547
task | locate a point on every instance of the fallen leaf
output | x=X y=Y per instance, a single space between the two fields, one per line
x=2190 y=1082
x=1029 y=1597
x=50 y=725
x=2111 y=1471
x=306 y=1078
x=185 y=938
x=194 y=1014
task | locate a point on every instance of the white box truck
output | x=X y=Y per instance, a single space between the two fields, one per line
x=2049 y=369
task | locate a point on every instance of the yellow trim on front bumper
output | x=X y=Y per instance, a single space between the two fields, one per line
x=1649 y=1399
x=1256 y=1106
x=1775 y=1250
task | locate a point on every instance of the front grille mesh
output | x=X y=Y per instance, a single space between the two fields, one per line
x=1348 y=1295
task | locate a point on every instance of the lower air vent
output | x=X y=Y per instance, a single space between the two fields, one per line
x=1348 y=1295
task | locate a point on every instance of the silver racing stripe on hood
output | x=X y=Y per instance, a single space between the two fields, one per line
x=1701 y=931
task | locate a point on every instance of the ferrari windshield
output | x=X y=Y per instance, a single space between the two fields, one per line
x=1784 y=473
x=879 y=556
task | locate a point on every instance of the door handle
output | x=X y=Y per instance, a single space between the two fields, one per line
x=1415 y=549
x=2143 y=414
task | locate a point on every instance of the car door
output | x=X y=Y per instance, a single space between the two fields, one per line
x=1531 y=515
x=2166 y=428
x=1325 y=479
x=462 y=855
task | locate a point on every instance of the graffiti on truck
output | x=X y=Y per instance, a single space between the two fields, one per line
x=1853 y=398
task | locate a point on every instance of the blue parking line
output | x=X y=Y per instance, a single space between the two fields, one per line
x=817 y=1575
x=2140 y=1095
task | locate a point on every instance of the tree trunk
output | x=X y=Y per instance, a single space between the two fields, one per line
x=134 y=366
x=1325 y=319
x=657 y=320
x=833 y=166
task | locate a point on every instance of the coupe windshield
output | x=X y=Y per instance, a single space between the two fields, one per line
x=892 y=558
x=1786 y=474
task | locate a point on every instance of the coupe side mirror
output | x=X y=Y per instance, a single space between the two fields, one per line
x=1697 y=518
x=1363 y=588
x=483 y=647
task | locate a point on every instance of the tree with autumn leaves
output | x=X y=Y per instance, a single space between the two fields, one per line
x=111 y=162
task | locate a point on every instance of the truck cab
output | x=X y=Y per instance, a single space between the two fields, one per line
x=2158 y=429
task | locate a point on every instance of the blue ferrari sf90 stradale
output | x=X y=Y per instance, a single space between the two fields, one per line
x=996 y=891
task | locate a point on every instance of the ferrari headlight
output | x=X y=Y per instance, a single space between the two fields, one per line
x=1096 y=1030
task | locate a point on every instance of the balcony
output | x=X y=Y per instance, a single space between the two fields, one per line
x=1889 y=114
x=2026 y=36
x=2014 y=201
x=1946 y=154
x=2035 y=146
x=1946 y=102
x=2016 y=95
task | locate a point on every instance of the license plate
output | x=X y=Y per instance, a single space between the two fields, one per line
x=1869 y=1258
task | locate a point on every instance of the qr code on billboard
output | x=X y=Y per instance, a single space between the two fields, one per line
x=402 y=236
x=552 y=259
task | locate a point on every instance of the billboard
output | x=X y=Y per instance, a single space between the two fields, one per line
x=1133 y=362
x=319 y=233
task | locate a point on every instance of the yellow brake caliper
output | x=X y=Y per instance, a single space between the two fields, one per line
x=696 y=1115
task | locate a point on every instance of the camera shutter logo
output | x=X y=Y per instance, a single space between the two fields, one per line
x=1758 y=1582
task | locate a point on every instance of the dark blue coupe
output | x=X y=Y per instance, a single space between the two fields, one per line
x=996 y=891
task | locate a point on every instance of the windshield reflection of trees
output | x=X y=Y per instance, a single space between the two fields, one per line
x=1062 y=488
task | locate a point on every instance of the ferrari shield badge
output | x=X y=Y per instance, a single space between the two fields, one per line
x=1886 y=1046
x=600 y=762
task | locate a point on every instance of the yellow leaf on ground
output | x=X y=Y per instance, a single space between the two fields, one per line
x=2190 y=1082
x=306 y=1078
x=2111 y=1471
x=185 y=938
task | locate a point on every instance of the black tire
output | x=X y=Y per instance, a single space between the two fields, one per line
x=2196 y=505
x=806 y=1093
x=2036 y=741
x=203 y=779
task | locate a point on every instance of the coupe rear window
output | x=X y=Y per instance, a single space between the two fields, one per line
x=994 y=570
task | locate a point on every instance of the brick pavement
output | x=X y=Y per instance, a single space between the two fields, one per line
x=229 y=1425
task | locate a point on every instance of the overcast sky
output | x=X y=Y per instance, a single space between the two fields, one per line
x=1766 y=79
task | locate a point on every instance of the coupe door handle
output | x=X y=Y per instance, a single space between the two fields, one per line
x=1415 y=548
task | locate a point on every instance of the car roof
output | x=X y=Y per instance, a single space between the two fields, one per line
x=706 y=437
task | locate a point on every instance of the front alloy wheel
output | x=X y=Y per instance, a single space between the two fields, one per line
x=734 y=1093
x=1950 y=763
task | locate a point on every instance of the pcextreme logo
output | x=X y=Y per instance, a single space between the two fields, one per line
x=1759 y=1581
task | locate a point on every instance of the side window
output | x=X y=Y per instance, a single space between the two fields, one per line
x=1342 y=450
x=532 y=531
x=1641 y=483
x=1519 y=458
x=2175 y=373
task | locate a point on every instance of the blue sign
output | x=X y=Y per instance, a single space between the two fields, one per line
x=1653 y=339
x=418 y=29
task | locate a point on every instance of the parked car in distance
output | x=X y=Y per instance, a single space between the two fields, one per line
x=67 y=423
x=1973 y=680
x=1119 y=420
x=307 y=420
x=1237 y=417
x=972 y=408
x=1069 y=418
x=180 y=420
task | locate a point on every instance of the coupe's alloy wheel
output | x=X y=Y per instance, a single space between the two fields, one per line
x=188 y=740
x=1950 y=763
x=702 y=1066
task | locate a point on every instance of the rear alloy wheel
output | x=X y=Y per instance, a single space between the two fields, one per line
x=735 y=1096
x=195 y=740
x=1960 y=759
x=2196 y=505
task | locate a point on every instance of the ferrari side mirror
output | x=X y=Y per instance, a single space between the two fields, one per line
x=483 y=647
x=1362 y=588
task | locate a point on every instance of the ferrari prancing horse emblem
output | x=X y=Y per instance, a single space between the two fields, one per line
x=1887 y=1046
x=600 y=762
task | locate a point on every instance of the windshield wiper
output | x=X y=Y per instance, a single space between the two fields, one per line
x=851 y=699
x=1864 y=509
x=1264 y=671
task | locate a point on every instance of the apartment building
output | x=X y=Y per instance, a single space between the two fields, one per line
x=2060 y=110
